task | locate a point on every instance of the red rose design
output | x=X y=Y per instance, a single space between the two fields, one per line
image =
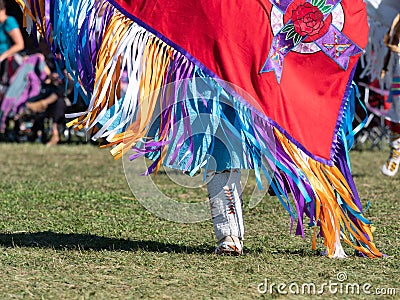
x=307 y=19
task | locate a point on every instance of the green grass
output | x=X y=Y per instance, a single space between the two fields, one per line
x=70 y=228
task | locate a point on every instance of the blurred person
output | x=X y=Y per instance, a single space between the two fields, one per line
x=381 y=14
x=11 y=40
x=392 y=41
x=49 y=103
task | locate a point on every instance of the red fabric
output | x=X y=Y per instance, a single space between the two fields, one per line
x=232 y=38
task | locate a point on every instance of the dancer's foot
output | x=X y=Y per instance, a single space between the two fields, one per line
x=391 y=166
x=230 y=245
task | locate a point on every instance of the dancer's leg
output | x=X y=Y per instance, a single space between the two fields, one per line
x=225 y=194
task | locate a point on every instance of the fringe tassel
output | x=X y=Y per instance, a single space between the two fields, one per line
x=336 y=208
x=175 y=114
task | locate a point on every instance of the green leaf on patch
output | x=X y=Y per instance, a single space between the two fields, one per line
x=320 y=3
x=290 y=34
x=326 y=9
x=297 y=38
x=287 y=28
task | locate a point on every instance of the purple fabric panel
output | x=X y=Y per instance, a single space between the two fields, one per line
x=32 y=89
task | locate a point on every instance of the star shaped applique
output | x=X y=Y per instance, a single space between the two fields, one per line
x=333 y=43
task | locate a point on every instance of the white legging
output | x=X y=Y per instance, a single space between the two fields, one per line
x=225 y=194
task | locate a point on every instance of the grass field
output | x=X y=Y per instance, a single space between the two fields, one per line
x=70 y=228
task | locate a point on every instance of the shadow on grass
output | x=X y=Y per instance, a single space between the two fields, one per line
x=87 y=242
x=298 y=252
